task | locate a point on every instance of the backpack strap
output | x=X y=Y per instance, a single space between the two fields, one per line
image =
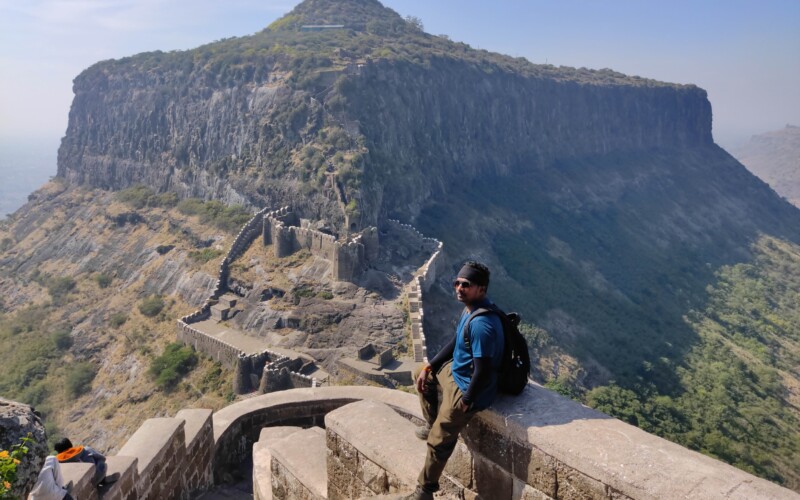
x=477 y=312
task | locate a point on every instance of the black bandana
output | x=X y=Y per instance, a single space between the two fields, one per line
x=474 y=275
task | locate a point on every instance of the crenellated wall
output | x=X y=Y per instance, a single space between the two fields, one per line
x=349 y=258
x=423 y=278
x=539 y=445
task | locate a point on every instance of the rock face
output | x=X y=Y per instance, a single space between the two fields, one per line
x=775 y=158
x=248 y=121
x=18 y=421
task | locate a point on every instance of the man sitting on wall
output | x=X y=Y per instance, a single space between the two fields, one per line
x=68 y=453
x=466 y=374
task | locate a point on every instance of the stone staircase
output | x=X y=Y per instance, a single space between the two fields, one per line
x=367 y=450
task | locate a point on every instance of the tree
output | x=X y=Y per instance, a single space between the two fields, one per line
x=415 y=22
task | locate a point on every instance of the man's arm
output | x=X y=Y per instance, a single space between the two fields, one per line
x=481 y=371
x=444 y=354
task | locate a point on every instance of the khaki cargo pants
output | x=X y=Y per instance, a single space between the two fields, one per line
x=446 y=420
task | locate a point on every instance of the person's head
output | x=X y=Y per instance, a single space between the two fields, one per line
x=472 y=282
x=63 y=445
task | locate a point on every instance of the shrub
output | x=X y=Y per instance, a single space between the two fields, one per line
x=62 y=339
x=151 y=306
x=58 y=288
x=142 y=196
x=103 y=280
x=205 y=255
x=79 y=378
x=169 y=368
x=118 y=319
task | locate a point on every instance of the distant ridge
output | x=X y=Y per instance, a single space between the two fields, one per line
x=775 y=158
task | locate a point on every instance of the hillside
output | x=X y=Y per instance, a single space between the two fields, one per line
x=636 y=249
x=775 y=158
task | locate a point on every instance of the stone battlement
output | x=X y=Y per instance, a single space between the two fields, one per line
x=536 y=445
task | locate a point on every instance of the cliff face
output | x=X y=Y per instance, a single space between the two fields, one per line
x=442 y=123
x=251 y=121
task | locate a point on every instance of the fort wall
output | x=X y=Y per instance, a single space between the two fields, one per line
x=536 y=445
x=423 y=278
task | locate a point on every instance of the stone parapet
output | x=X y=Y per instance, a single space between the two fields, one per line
x=160 y=448
x=298 y=466
x=199 y=437
x=125 y=487
x=81 y=475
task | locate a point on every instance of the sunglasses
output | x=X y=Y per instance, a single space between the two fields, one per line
x=462 y=284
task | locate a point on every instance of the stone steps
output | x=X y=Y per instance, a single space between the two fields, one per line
x=262 y=459
x=298 y=465
x=372 y=450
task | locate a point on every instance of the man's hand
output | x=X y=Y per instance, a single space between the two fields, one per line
x=422 y=380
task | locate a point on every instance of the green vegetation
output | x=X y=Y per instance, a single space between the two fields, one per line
x=103 y=280
x=142 y=196
x=118 y=319
x=79 y=378
x=32 y=349
x=205 y=255
x=229 y=219
x=169 y=368
x=9 y=460
x=151 y=306
x=59 y=288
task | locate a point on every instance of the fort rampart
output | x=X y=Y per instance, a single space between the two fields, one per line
x=423 y=278
x=539 y=445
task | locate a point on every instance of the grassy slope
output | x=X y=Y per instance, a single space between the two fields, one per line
x=52 y=336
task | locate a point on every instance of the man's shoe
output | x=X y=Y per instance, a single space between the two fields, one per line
x=422 y=432
x=419 y=494
x=111 y=478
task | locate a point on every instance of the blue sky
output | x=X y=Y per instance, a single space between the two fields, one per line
x=746 y=54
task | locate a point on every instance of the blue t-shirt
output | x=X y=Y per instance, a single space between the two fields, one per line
x=486 y=340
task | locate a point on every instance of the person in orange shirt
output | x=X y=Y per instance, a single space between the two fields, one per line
x=68 y=453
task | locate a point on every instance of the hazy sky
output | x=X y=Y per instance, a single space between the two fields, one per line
x=746 y=54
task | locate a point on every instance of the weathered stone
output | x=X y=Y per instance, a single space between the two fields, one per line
x=381 y=435
x=491 y=481
x=574 y=485
x=17 y=421
x=125 y=487
x=459 y=466
x=82 y=477
x=534 y=467
x=372 y=475
x=303 y=456
x=524 y=491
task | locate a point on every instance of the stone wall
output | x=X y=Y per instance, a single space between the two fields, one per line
x=166 y=458
x=219 y=350
x=349 y=259
x=423 y=278
x=539 y=445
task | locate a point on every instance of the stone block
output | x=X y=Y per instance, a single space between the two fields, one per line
x=197 y=425
x=575 y=485
x=381 y=435
x=303 y=456
x=534 y=467
x=494 y=444
x=460 y=465
x=522 y=491
x=262 y=472
x=373 y=476
x=274 y=433
x=491 y=481
x=82 y=476
x=125 y=487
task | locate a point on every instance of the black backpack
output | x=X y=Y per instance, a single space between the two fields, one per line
x=513 y=374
